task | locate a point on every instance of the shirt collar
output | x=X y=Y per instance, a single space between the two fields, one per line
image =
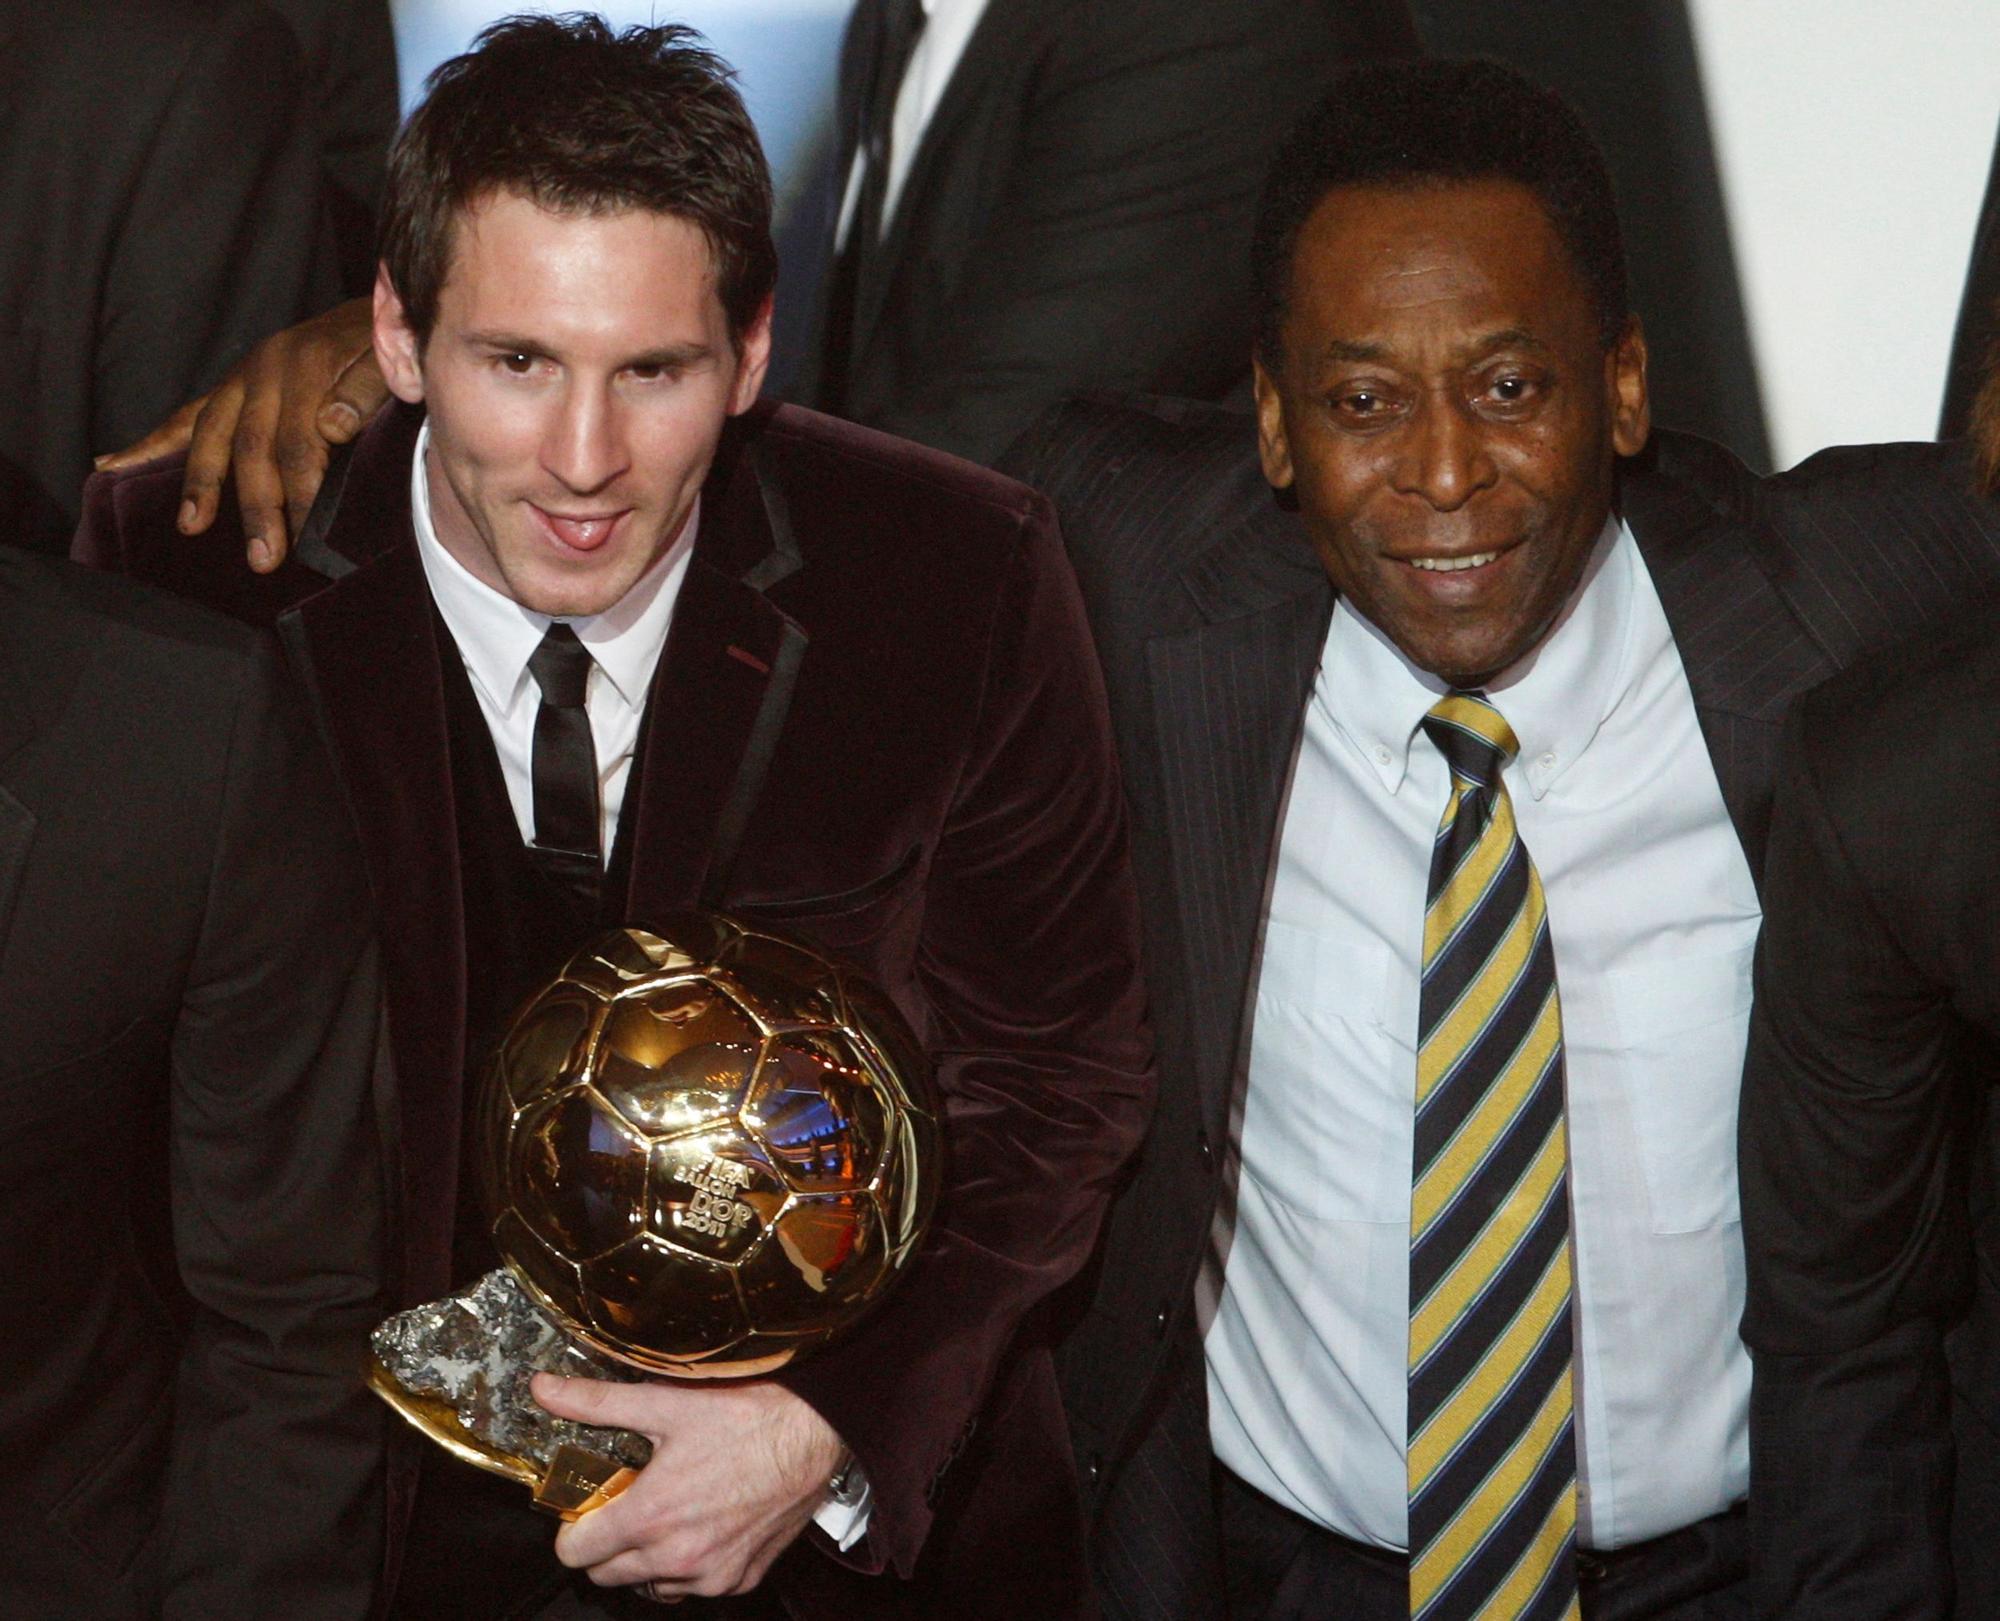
x=1556 y=698
x=497 y=636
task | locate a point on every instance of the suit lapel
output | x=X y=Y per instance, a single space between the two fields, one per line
x=367 y=649
x=1751 y=633
x=1229 y=689
x=720 y=694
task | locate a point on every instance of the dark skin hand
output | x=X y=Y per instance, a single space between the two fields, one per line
x=272 y=422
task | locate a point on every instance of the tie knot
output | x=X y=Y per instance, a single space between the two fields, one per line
x=1472 y=735
x=561 y=667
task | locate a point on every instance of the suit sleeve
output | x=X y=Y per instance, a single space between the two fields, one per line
x=275 y=1498
x=1029 y=957
x=1852 y=1125
x=222 y=240
x=1117 y=254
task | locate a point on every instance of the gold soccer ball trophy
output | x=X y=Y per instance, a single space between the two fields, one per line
x=707 y=1150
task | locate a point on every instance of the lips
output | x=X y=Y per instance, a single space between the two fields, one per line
x=1451 y=565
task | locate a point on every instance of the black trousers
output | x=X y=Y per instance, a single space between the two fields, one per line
x=1279 y=1567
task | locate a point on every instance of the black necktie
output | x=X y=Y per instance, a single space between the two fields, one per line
x=565 y=764
x=897 y=24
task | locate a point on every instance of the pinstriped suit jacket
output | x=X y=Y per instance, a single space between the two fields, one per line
x=1210 y=611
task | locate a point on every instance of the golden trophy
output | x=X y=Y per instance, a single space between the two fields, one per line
x=707 y=1149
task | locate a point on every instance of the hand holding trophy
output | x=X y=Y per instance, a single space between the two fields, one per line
x=707 y=1150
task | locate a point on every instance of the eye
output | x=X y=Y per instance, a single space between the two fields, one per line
x=1514 y=390
x=652 y=371
x=1361 y=407
x=517 y=364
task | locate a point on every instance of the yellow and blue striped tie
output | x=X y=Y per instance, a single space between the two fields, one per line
x=1492 y=1452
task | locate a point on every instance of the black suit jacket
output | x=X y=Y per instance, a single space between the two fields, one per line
x=1077 y=211
x=1211 y=610
x=193 y=1231
x=160 y=211
x=899 y=635
x=1867 y=1165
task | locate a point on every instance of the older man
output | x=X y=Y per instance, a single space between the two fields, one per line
x=1450 y=773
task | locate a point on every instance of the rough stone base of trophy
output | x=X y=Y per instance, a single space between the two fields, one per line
x=458 y=1369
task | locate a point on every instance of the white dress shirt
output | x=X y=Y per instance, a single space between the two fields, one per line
x=496 y=637
x=948 y=26
x=1653 y=918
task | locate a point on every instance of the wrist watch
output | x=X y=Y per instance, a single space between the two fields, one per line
x=847 y=1483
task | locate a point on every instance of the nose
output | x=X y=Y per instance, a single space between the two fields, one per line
x=1445 y=457
x=584 y=447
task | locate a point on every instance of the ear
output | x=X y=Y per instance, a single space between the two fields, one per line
x=1273 y=449
x=1625 y=378
x=753 y=359
x=397 y=349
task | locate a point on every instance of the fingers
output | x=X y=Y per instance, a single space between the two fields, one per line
x=356 y=395
x=647 y=1408
x=170 y=436
x=253 y=455
x=213 y=429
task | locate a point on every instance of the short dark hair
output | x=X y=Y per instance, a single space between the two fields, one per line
x=581 y=120
x=1429 y=123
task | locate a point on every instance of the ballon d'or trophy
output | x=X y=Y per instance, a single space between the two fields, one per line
x=706 y=1151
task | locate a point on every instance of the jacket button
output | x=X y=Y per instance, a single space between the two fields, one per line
x=1205 y=1148
x=1093 y=1470
x=1161 y=1319
x=1589 y=1566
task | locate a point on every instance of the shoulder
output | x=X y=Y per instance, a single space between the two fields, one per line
x=137 y=649
x=1916 y=711
x=842 y=461
x=1919 y=494
x=65 y=603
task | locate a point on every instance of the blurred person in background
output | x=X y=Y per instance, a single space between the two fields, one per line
x=161 y=209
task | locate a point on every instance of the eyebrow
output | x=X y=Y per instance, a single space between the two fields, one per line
x=671 y=357
x=1350 y=352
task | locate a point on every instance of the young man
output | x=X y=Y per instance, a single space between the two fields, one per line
x=1449 y=796
x=826 y=680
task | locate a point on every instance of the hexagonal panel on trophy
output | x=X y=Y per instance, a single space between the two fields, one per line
x=906 y=1199
x=659 y=1306
x=817 y=1112
x=787 y=983
x=821 y=1266
x=676 y=1057
x=710 y=1193
x=550 y=1277
x=546 y=1046
x=576 y=1174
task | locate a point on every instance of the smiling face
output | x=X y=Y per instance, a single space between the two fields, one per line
x=577 y=379
x=1448 y=416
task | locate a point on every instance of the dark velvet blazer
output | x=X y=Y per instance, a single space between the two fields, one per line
x=1210 y=611
x=1077 y=208
x=901 y=633
x=193 y=1228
